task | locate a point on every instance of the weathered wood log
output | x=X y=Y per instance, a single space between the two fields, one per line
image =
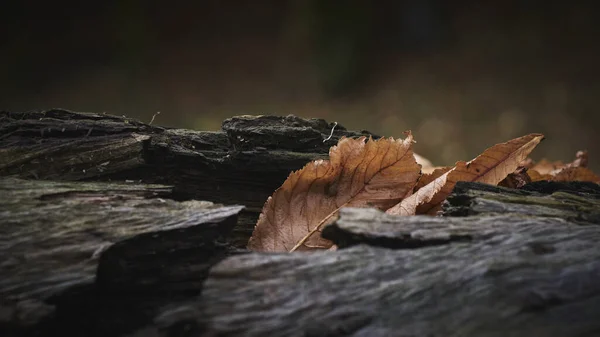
x=573 y=201
x=131 y=258
x=57 y=236
x=241 y=164
x=516 y=275
x=36 y=145
x=577 y=202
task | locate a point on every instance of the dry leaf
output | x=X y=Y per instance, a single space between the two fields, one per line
x=581 y=159
x=576 y=174
x=426 y=178
x=491 y=167
x=545 y=167
x=517 y=179
x=536 y=176
x=557 y=171
x=424 y=196
x=426 y=165
x=374 y=173
x=432 y=169
x=527 y=163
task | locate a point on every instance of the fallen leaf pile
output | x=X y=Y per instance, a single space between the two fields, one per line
x=388 y=175
x=557 y=171
x=491 y=167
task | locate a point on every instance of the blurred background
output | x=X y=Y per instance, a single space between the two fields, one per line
x=462 y=75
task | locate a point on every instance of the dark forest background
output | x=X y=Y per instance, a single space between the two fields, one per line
x=462 y=75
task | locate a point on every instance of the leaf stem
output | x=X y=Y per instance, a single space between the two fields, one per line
x=307 y=236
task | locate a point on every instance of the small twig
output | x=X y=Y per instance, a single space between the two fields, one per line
x=154 y=116
x=331 y=134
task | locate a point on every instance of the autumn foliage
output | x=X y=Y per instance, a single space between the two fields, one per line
x=376 y=173
x=384 y=173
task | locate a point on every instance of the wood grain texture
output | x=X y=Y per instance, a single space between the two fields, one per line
x=243 y=163
x=57 y=236
x=90 y=258
x=517 y=276
x=578 y=202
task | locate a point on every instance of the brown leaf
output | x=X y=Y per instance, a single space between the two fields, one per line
x=374 y=173
x=426 y=178
x=576 y=174
x=545 y=167
x=426 y=165
x=491 y=167
x=517 y=179
x=581 y=159
x=557 y=171
x=430 y=194
x=527 y=163
x=536 y=176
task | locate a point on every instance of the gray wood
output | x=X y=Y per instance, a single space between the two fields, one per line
x=243 y=163
x=519 y=276
x=52 y=235
x=129 y=254
x=575 y=201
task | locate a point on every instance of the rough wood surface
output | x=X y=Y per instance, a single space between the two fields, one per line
x=243 y=163
x=132 y=258
x=574 y=201
x=54 y=234
x=65 y=145
x=518 y=275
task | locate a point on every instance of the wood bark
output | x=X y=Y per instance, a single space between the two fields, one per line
x=243 y=163
x=103 y=233
x=72 y=242
x=532 y=271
